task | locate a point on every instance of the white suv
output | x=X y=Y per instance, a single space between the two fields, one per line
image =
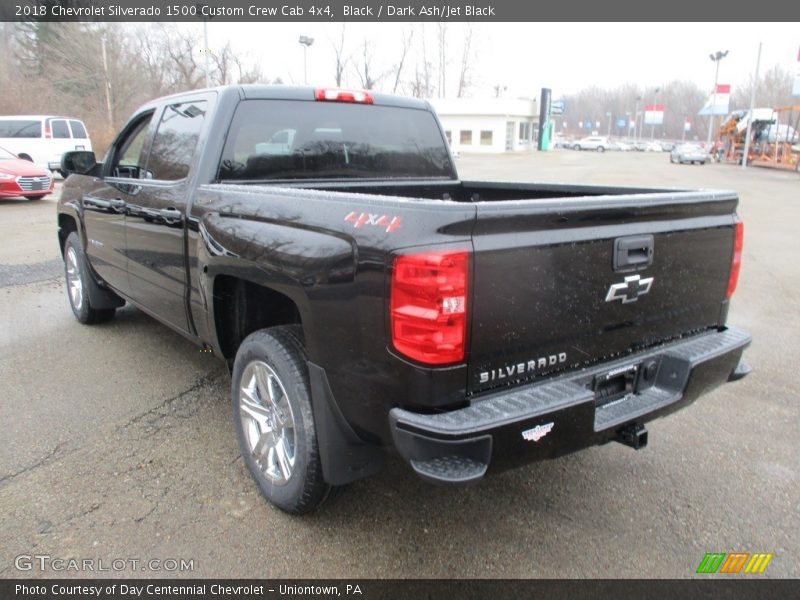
x=593 y=142
x=42 y=139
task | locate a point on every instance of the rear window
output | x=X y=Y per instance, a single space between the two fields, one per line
x=78 y=130
x=20 y=129
x=59 y=129
x=279 y=139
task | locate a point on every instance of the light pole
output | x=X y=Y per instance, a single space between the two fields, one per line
x=608 y=131
x=636 y=118
x=306 y=42
x=652 y=125
x=107 y=83
x=716 y=57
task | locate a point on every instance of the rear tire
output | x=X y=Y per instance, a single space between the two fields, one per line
x=274 y=421
x=576 y=147
x=79 y=279
x=601 y=149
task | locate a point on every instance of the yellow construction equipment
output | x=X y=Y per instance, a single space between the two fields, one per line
x=774 y=141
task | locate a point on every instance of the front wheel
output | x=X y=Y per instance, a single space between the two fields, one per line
x=274 y=421
x=76 y=270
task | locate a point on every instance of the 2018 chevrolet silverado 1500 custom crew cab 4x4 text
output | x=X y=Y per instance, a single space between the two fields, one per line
x=366 y=300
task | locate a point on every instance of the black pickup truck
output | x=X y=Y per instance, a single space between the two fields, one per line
x=367 y=301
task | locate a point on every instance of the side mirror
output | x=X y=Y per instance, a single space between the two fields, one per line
x=82 y=162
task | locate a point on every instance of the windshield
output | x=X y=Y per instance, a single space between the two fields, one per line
x=279 y=139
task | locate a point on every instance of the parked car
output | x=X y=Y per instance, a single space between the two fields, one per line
x=621 y=147
x=653 y=147
x=42 y=139
x=688 y=153
x=367 y=301
x=22 y=178
x=593 y=142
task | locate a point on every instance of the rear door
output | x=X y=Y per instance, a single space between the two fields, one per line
x=80 y=138
x=156 y=217
x=566 y=283
x=105 y=205
x=60 y=140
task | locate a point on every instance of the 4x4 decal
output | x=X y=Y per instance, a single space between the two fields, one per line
x=390 y=223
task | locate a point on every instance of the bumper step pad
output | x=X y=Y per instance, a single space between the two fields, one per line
x=456 y=446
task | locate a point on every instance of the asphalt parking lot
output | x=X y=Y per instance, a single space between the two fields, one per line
x=117 y=440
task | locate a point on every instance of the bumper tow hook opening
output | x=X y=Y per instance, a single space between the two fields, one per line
x=634 y=436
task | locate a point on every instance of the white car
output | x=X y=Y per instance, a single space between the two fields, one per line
x=593 y=142
x=689 y=153
x=42 y=139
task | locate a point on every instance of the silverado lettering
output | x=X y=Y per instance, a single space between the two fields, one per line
x=523 y=368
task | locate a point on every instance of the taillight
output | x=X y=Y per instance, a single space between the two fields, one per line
x=47 y=132
x=429 y=306
x=334 y=95
x=736 y=261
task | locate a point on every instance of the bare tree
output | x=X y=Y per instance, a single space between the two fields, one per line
x=251 y=74
x=774 y=89
x=421 y=83
x=463 y=78
x=224 y=63
x=366 y=70
x=398 y=68
x=340 y=59
x=442 y=39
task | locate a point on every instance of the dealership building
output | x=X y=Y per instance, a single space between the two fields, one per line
x=490 y=125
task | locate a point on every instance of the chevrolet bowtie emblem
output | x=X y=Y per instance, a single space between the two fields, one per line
x=630 y=289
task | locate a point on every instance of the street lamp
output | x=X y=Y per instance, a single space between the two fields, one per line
x=305 y=41
x=636 y=119
x=608 y=131
x=716 y=57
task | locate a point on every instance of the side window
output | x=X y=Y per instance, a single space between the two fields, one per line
x=129 y=156
x=59 y=129
x=78 y=130
x=20 y=129
x=176 y=139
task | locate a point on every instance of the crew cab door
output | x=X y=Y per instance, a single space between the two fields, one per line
x=105 y=205
x=156 y=219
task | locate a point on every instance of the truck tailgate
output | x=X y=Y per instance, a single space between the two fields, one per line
x=560 y=284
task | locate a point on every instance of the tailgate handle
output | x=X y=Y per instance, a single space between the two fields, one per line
x=633 y=253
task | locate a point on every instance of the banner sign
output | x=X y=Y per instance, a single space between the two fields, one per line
x=687 y=125
x=654 y=114
x=719 y=100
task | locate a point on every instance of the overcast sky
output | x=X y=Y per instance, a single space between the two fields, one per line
x=527 y=56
